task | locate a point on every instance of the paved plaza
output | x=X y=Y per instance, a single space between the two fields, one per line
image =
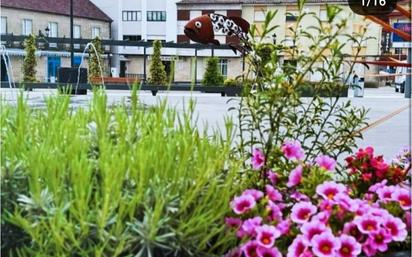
x=389 y=112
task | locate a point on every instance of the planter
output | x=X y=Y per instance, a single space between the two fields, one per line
x=394 y=254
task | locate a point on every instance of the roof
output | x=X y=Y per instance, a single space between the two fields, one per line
x=268 y=2
x=81 y=8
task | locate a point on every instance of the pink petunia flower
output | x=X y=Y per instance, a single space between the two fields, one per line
x=257 y=194
x=380 y=240
x=325 y=245
x=268 y=252
x=272 y=176
x=250 y=225
x=378 y=185
x=233 y=222
x=236 y=252
x=396 y=228
x=292 y=150
x=349 y=247
x=295 y=176
x=298 y=247
x=275 y=212
x=273 y=194
x=299 y=196
x=344 y=201
x=284 y=227
x=329 y=189
x=250 y=249
x=322 y=217
x=408 y=218
x=301 y=212
x=368 y=223
x=258 y=159
x=368 y=249
x=385 y=193
x=242 y=204
x=403 y=197
x=326 y=162
x=313 y=228
x=351 y=229
x=266 y=235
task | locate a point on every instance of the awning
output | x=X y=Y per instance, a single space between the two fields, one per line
x=21 y=52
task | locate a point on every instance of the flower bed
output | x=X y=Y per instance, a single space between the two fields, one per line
x=306 y=212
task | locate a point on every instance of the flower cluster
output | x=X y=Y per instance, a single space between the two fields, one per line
x=365 y=167
x=280 y=220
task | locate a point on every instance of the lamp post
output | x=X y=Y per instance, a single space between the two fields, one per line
x=274 y=36
x=71 y=36
x=47 y=31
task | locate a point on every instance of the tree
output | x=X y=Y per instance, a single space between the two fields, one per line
x=30 y=62
x=157 y=69
x=95 y=60
x=212 y=76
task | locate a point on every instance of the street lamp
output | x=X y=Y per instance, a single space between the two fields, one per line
x=274 y=36
x=47 y=31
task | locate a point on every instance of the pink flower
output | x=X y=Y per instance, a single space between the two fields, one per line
x=295 y=176
x=350 y=228
x=329 y=189
x=380 y=240
x=266 y=235
x=257 y=194
x=408 y=218
x=396 y=228
x=268 y=252
x=313 y=228
x=349 y=247
x=284 y=226
x=301 y=212
x=326 y=162
x=376 y=186
x=385 y=193
x=322 y=217
x=233 y=222
x=249 y=226
x=242 y=204
x=250 y=249
x=258 y=159
x=293 y=150
x=299 y=196
x=325 y=245
x=344 y=201
x=234 y=253
x=368 y=249
x=298 y=247
x=368 y=223
x=273 y=194
x=403 y=197
x=272 y=176
x=275 y=212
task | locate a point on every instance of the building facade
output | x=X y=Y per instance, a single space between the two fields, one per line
x=50 y=19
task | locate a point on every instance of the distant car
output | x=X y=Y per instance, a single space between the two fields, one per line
x=400 y=80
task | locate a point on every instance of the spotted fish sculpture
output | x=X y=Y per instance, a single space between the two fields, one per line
x=203 y=28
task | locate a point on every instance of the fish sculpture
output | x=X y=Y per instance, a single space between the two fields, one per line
x=203 y=28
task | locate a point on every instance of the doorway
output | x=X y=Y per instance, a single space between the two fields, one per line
x=53 y=64
x=123 y=69
x=4 y=74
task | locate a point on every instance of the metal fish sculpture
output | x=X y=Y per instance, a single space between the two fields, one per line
x=203 y=28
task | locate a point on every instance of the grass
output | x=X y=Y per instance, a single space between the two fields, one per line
x=121 y=181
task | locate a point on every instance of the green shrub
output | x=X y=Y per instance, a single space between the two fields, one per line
x=95 y=60
x=30 y=62
x=121 y=181
x=229 y=82
x=212 y=76
x=157 y=71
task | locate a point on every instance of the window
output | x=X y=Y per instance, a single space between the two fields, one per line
x=27 y=28
x=131 y=16
x=53 y=29
x=132 y=37
x=95 y=32
x=156 y=16
x=3 y=25
x=323 y=15
x=292 y=15
x=259 y=15
x=77 y=34
x=223 y=67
